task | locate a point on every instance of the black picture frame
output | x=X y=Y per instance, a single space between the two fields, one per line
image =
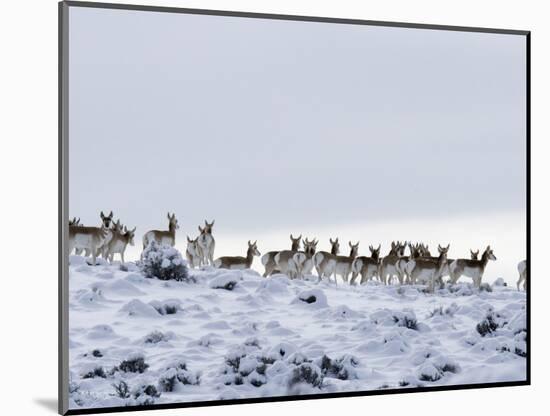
x=63 y=142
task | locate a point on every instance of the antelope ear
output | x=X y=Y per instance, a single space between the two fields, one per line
x=134 y=230
x=379 y=247
x=350 y=245
x=213 y=221
x=249 y=243
x=300 y=237
x=256 y=242
x=488 y=248
x=188 y=239
x=125 y=229
x=168 y=215
x=102 y=215
x=111 y=214
x=200 y=229
x=206 y=223
x=292 y=238
x=331 y=242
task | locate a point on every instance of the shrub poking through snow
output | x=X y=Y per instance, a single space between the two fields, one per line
x=226 y=281
x=406 y=319
x=163 y=262
x=155 y=337
x=145 y=394
x=168 y=307
x=121 y=389
x=134 y=364
x=441 y=311
x=96 y=372
x=490 y=324
x=306 y=373
x=342 y=368
x=176 y=374
x=97 y=353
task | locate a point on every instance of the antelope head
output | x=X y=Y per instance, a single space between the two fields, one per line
x=443 y=250
x=401 y=248
x=489 y=253
x=310 y=246
x=474 y=255
x=129 y=234
x=295 y=242
x=172 y=222
x=74 y=222
x=252 y=247
x=106 y=219
x=335 y=246
x=375 y=252
x=117 y=226
x=354 y=249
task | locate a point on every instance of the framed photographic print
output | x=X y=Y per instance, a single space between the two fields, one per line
x=262 y=207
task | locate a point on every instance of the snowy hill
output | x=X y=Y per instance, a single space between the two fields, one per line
x=235 y=334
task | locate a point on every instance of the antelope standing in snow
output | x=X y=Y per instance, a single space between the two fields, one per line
x=365 y=266
x=522 y=270
x=120 y=240
x=471 y=268
x=268 y=259
x=304 y=259
x=388 y=264
x=193 y=252
x=343 y=263
x=163 y=237
x=325 y=262
x=426 y=269
x=238 y=262
x=207 y=243
x=292 y=263
x=86 y=238
x=95 y=238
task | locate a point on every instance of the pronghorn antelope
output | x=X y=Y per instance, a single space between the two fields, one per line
x=75 y=223
x=120 y=240
x=207 y=243
x=163 y=237
x=238 y=262
x=343 y=263
x=325 y=262
x=193 y=252
x=387 y=266
x=106 y=222
x=268 y=259
x=522 y=270
x=474 y=255
x=471 y=268
x=116 y=227
x=365 y=266
x=426 y=269
x=304 y=259
x=401 y=263
x=86 y=238
x=292 y=263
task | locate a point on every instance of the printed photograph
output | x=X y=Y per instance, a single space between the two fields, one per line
x=267 y=208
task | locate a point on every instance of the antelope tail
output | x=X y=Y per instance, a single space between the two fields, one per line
x=357 y=265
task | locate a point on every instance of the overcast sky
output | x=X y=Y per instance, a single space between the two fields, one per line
x=272 y=126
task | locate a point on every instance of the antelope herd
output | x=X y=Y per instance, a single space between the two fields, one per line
x=418 y=266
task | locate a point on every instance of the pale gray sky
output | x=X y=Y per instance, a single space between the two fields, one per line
x=271 y=126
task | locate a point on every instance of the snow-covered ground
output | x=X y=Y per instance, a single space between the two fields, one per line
x=169 y=342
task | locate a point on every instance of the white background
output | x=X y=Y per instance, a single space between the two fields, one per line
x=28 y=167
